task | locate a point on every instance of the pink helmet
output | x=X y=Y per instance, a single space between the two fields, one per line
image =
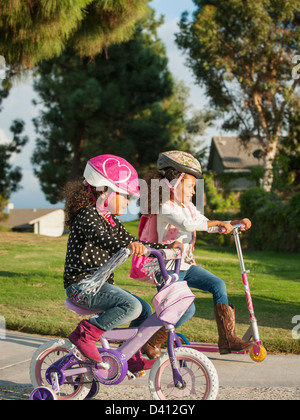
x=113 y=172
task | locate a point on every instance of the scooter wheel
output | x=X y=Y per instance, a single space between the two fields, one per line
x=258 y=353
x=42 y=394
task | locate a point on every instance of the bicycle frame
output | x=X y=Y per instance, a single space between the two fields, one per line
x=58 y=373
x=134 y=339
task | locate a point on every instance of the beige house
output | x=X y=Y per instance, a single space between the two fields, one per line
x=229 y=155
x=48 y=222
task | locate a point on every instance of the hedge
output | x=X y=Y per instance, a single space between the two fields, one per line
x=276 y=223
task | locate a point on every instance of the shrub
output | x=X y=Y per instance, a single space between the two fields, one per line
x=276 y=223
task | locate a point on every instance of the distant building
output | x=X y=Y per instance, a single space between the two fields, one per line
x=49 y=222
x=229 y=155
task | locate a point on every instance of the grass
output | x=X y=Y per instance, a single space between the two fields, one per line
x=32 y=294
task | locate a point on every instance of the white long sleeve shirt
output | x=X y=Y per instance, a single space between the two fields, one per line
x=176 y=223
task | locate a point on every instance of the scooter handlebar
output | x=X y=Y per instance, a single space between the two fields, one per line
x=222 y=229
x=237 y=226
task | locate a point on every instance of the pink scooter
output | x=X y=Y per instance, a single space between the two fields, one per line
x=257 y=353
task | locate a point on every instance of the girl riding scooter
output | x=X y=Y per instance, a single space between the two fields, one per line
x=178 y=219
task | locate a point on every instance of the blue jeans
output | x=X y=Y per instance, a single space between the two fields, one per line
x=118 y=306
x=199 y=278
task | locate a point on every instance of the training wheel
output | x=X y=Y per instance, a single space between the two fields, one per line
x=258 y=353
x=42 y=394
x=93 y=391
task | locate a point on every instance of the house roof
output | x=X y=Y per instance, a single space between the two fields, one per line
x=233 y=154
x=23 y=217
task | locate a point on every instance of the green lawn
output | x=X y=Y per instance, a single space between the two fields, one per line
x=32 y=294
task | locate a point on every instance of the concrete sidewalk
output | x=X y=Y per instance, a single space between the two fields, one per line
x=238 y=371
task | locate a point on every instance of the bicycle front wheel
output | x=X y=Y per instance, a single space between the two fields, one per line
x=199 y=375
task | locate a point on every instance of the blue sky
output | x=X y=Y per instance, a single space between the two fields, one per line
x=19 y=104
x=172 y=9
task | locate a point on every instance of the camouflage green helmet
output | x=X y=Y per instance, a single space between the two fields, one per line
x=180 y=161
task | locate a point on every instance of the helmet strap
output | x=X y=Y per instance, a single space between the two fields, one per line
x=173 y=189
x=103 y=210
x=109 y=198
x=87 y=185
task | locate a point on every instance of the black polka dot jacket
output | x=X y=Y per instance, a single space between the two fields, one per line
x=92 y=242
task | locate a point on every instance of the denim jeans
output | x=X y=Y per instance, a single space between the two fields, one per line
x=118 y=306
x=121 y=306
x=199 y=278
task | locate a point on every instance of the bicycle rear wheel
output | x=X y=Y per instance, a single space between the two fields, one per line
x=199 y=374
x=76 y=387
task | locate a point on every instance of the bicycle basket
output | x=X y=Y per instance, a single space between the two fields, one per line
x=172 y=301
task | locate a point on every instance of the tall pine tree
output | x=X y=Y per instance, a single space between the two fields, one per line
x=96 y=97
x=33 y=30
x=10 y=176
x=122 y=102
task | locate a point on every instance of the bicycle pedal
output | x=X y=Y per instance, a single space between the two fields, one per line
x=140 y=373
x=79 y=355
x=131 y=376
x=103 y=365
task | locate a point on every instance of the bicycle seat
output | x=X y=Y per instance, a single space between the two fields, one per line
x=79 y=309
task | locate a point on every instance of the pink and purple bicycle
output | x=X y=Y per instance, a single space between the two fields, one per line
x=59 y=371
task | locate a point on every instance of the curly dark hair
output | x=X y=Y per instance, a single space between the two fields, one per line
x=146 y=203
x=77 y=197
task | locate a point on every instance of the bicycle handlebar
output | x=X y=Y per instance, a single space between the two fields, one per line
x=165 y=254
x=168 y=254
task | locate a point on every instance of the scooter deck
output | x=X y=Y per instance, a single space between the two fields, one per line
x=210 y=348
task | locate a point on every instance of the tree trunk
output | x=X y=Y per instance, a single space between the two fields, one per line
x=74 y=174
x=267 y=180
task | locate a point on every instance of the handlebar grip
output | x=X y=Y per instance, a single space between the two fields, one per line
x=216 y=229
x=239 y=226
x=159 y=255
x=222 y=229
x=147 y=252
x=167 y=254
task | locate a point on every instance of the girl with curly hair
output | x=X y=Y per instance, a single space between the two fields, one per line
x=95 y=236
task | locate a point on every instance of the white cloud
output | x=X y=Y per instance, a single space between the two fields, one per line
x=3 y=137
